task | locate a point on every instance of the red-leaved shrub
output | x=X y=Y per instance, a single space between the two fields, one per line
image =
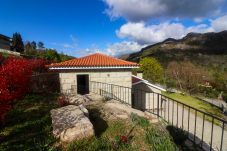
x=62 y=101
x=15 y=75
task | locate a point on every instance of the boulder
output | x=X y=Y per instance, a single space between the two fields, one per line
x=77 y=99
x=84 y=99
x=115 y=109
x=70 y=123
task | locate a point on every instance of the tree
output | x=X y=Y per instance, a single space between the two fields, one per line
x=33 y=44
x=17 y=43
x=52 y=55
x=41 y=45
x=187 y=75
x=29 y=49
x=152 y=69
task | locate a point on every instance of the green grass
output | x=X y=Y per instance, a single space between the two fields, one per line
x=139 y=132
x=109 y=139
x=198 y=104
x=28 y=125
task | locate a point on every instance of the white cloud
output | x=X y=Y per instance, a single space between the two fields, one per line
x=149 y=34
x=219 y=24
x=123 y=48
x=141 y=33
x=141 y=10
x=114 y=49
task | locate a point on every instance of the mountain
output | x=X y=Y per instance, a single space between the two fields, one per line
x=203 y=49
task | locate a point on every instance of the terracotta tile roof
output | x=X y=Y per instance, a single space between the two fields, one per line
x=95 y=60
x=135 y=79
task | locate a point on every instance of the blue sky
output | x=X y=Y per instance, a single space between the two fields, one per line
x=114 y=27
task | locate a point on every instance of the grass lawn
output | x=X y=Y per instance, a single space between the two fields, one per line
x=28 y=125
x=196 y=103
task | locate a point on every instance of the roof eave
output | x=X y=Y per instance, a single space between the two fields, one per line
x=92 y=67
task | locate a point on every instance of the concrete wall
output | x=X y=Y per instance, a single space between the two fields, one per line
x=9 y=52
x=120 y=77
x=146 y=97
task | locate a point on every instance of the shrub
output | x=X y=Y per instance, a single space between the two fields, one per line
x=15 y=75
x=62 y=101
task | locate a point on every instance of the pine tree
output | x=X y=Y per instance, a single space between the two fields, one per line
x=17 y=43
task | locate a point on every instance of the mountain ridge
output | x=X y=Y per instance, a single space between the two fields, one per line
x=210 y=43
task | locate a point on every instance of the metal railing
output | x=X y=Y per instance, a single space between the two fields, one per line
x=204 y=129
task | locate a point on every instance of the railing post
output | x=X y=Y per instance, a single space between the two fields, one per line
x=158 y=105
x=112 y=91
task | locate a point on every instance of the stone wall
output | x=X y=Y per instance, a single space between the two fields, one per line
x=144 y=98
x=121 y=77
x=44 y=82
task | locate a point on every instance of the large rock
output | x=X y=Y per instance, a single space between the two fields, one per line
x=78 y=99
x=70 y=123
x=84 y=99
x=117 y=110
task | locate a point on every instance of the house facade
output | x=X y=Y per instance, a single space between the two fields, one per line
x=83 y=74
x=5 y=42
x=145 y=95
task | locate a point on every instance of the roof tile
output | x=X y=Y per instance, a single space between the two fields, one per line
x=94 y=60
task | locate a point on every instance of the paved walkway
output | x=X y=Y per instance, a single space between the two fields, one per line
x=183 y=118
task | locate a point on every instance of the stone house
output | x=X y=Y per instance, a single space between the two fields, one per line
x=145 y=95
x=78 y=75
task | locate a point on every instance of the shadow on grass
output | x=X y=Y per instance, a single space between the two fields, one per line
x=180 y=137
x=100 y=125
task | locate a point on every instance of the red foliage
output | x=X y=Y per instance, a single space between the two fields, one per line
x=62 y=101
x=15 y=74
x=123 y=139
x=38 y=65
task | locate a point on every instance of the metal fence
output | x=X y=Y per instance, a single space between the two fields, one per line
x=204 y=129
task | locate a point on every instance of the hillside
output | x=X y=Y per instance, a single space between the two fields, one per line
x=207 y=50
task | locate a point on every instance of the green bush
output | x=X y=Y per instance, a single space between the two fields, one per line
x=208 y=92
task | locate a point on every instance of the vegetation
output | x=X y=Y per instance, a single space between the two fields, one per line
x=15 y=75
x=152 y=70
x=28 y=125
x=187 y=76
x=17 y=43
x=36 y=50
x=44 y=53
x=128 y=136
x=203 y=54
